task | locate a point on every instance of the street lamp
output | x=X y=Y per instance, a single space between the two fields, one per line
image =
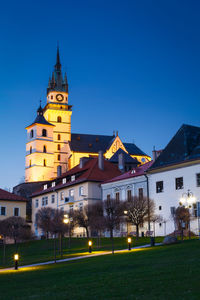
x=90 y=246
x=129 y=243
x=186 y=201
x=126 y=213
x=16 y=258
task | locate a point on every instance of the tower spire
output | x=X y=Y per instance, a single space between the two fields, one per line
x=58 y=64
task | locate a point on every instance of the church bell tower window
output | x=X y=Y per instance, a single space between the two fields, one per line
x=44 y=149
x=59 y=137
x=44 y=162
x=59 y=119
x=31 y=134
x=30 y=150
x=44 y=132
x=58 y=147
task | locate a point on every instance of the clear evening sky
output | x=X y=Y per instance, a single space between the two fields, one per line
x=132 y=66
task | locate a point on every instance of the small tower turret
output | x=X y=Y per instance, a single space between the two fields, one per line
x=39 y=149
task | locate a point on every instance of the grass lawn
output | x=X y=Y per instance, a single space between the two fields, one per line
x=40 y=251
x=164 y=272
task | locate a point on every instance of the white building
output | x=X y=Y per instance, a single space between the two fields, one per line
x=123 y=187
x=173 y=173
x=74 y=189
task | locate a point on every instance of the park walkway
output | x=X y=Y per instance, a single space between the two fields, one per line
x=76 y=258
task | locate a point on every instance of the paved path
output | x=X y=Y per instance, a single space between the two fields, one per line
x=77 y=257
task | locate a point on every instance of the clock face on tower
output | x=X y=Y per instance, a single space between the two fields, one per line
x=59 y=97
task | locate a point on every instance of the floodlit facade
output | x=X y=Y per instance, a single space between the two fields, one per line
x=50 y=143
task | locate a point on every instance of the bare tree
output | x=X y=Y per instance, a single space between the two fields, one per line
x=44 y=218
x=112 y=216
x=16 y=228
x=57 y=226
x=97 y=219
x=182 y=219
x=138 y=210
x=84 y=218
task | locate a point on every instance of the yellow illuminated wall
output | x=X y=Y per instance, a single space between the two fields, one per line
x=59 y=114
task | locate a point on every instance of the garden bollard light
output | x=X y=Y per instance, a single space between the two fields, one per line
x=129 y=243
x=16 y=258
x=90 y=246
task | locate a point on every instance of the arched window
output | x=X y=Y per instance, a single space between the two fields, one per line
x=59 y=137
x=44 y=149
x=30 y=150
x=31 y=133
x=44 y=132
x=44 y=162
x=58 y=147
x=59 y=119
x=29 y=163
x=58 y=156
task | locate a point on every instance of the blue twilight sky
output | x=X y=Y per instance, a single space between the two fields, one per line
x=132 y=66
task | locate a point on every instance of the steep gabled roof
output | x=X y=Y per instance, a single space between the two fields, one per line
x=127 y=157
x=184 y=146
x=138 y=171
x=4 y=195
x=89 y=172
x=90 y=143
x=133 y=149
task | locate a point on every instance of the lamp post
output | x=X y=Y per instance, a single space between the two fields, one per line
x=126 y=213
x=67 y=221
x=90 y=246
x=129 y=243
x=186 y=201
x=16 y=258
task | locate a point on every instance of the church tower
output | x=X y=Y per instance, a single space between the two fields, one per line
x=58 y=112
x=39 y=150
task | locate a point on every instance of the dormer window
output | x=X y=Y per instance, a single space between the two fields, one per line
x=53 y=184
x=73 y=178
x=45 y=186
x=64 y=180
x=44 y=132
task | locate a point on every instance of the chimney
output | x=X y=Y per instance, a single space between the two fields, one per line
x=101 y=160
x=81 y=163
x=59 y=171
x=154 y=153
x=121 y=164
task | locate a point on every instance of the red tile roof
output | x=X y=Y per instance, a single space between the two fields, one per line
x=4 y=195
x=89 y=172
x=139 y=171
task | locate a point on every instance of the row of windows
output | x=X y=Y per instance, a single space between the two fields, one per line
x=44 y=134
x=44 y=148
x=16 y=211
x=44 y=161
x=129 y=194
x=178 y=184
x=61 y=197
x=44 y=131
